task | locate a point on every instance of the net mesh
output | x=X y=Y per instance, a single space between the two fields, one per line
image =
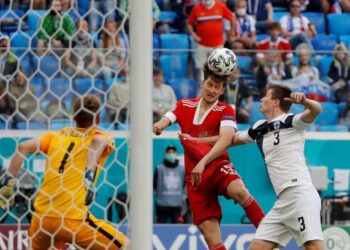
x=49 y=57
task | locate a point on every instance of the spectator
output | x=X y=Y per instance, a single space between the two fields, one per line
x=207 y=17
x=119 y=99
x=275 y=42
x=339 y=73
x=262 y=11
x=82 y=59
x=56 y=109
x=304 y=71
x=296 y=27
x=272 y=70
x=169 y=186
x=113 y=50
x=163 y=95
x=239 y=94
x=99 y=9
x=22 y=98
x=56 y=29
x=4 y=103
x=345 y=115
x=245 y=37
x=8 y=63
x=335 y=6
x=124 y=7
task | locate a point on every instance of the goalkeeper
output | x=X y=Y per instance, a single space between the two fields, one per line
x=75 y=157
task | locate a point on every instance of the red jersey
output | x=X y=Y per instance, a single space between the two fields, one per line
x=209 y=23
x=186 y=113
x=281 y=44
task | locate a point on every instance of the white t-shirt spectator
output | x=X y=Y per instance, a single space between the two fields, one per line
x=294 y=24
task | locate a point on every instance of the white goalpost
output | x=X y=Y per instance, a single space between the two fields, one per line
x=141 y=124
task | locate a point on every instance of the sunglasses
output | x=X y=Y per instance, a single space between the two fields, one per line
x=295 y=6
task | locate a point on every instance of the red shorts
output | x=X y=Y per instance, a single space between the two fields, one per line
x=204 y=202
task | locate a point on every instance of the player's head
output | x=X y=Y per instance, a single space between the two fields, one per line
x=86 y=111
x=274 y=99
x=213 y=85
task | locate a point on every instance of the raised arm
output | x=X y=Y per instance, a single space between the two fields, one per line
x=24 y=148
x=312 y=108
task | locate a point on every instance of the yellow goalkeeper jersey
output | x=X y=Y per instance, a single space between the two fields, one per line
x=62 y=193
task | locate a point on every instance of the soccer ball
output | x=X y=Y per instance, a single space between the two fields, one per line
x=222 y=62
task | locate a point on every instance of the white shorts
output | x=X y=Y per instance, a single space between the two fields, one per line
x=296 y=213
x=201 y=55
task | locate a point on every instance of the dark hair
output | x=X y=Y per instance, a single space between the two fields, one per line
x=208 y=73
x=170 y=147
x=280 y=92
x=274 y=25
x=86 y=109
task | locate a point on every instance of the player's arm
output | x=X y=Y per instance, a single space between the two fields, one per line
x=207 y=140
x=224 y=141
x=24 y=148
x=96 y=149
x=312 y=108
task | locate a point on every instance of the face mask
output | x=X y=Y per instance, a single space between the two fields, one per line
x=241 y=11
x=170 y=157
x=208 y=3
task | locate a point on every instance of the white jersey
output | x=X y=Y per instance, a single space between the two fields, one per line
x=281 y=143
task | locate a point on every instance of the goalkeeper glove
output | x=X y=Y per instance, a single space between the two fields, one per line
x=7 y=193
x=89 y=186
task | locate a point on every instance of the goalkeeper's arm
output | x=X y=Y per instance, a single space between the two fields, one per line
x=95 y=151
x=24 y=148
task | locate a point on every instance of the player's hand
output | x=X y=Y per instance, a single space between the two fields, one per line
x=7 y=193
x=196 y=174
x=186 y=136
x=89 y=186
x=157 y=128
x=296 y=97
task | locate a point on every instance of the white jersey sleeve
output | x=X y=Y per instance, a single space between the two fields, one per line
x=299 y=124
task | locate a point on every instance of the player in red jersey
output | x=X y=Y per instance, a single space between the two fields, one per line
x=209 y=172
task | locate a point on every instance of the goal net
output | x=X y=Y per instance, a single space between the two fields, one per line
x=50 y=56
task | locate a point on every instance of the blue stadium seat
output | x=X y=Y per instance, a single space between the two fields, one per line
x=58 y=124
x=183 y=88
x=245 y=63
x=329 y=114
x=333 y=128
x=174 y=66
x=279 y=9
x=49 y=65
x=31 y=125
x=341 y=107
x=324 y=65
x=19 y=42
x=34 y=19
x=167 y=16
x=174 y=42
x=2 y=125
x=345 y=40
x=83 y=6
x=338 y=24
x=10 y=16
x=324 y=43
x=156 y=46
x=26 y=63
x=296 y=108
x=59 y=86
x=173 y=127
x=277 y=15
x=39 y=87
x=317 y=18
x=255 y=114
x=82 y=85
x=243 y=126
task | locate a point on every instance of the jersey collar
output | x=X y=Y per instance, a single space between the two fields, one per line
x=196 y=120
